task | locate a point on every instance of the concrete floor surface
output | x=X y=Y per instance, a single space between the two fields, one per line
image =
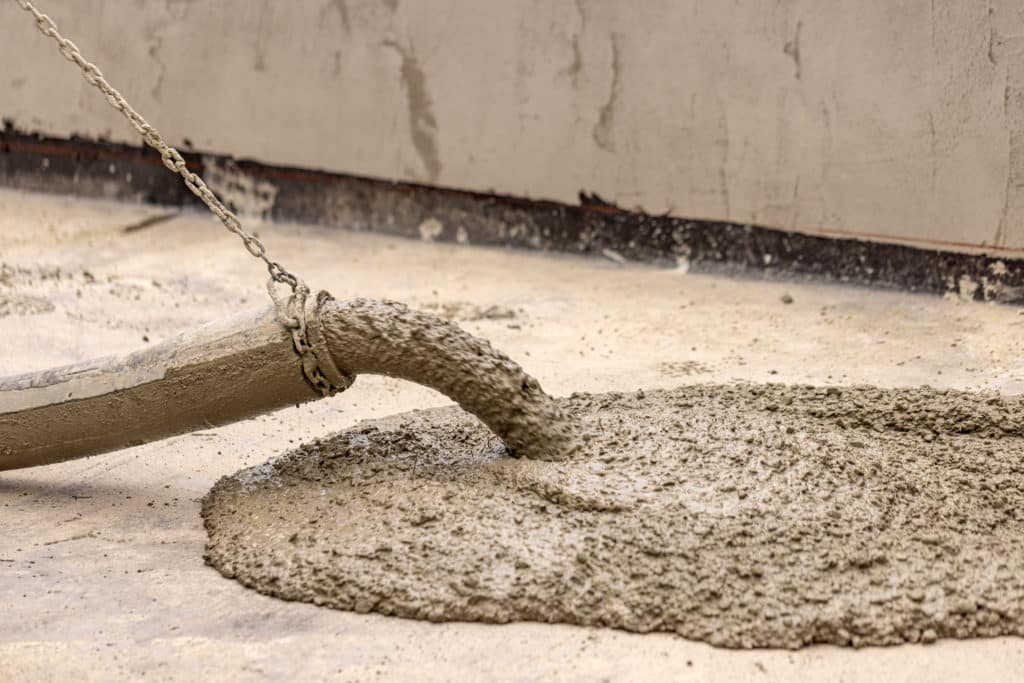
x=101 y=570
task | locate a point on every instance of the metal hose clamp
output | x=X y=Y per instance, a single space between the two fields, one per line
x=317 y=364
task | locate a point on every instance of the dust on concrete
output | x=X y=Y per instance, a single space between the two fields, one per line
x=741 y=515
x=23 y=304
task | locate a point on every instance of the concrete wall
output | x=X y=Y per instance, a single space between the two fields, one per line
x=896 y=119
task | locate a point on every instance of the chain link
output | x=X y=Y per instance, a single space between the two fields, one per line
x=170 y=156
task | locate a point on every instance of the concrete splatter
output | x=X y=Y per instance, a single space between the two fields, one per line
x=422 y=122
x=342 y=9
x=792 y=49
x=604 y=129
x=247 y=195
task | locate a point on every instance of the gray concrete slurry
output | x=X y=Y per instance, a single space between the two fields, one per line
x=741 y=515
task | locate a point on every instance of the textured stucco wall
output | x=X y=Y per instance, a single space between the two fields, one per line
x=899 y=119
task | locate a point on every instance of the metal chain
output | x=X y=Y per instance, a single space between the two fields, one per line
x=291 y=313
x=171 y=158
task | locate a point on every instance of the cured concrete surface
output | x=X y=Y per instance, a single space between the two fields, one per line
x=101 y=570
x=902 y=119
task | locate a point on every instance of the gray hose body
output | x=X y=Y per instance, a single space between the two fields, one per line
x=247 y=366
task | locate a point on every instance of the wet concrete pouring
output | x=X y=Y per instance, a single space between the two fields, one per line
x=101 y=559
x=741 y=515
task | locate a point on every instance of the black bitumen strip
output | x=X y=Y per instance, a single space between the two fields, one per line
x=92 y=168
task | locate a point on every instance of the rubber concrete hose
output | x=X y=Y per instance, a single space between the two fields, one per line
x=245 y=366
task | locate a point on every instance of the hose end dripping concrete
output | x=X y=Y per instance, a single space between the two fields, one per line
x=244 y=366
